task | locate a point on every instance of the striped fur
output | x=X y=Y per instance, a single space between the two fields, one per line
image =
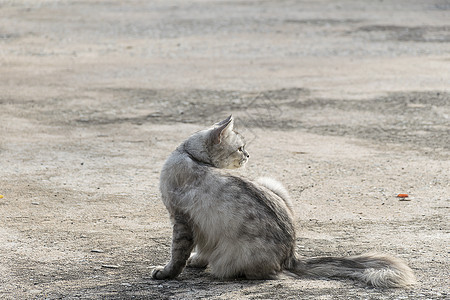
x=242 y=228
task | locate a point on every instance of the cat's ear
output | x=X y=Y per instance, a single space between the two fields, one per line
x=226 y=121
x=223 y=129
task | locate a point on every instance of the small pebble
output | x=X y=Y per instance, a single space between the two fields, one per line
x=111 y=266
x=35 y=203
x=97 y=250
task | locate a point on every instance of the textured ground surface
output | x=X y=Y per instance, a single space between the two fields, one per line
x=346 y=102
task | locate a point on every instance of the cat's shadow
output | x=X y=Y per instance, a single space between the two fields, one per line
x=201 y=276
x=193 y=276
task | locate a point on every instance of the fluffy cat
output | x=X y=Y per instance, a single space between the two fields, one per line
x=242 y=228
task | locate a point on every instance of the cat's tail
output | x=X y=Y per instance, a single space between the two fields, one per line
x=379 y=270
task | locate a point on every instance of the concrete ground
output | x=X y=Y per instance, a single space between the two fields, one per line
x=346 y=102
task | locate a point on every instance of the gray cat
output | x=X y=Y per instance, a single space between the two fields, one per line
x=242 y=228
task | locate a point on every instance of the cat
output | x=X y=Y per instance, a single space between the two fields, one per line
x=242 y=228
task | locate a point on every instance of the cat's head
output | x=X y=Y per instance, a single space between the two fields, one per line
x=219 y=146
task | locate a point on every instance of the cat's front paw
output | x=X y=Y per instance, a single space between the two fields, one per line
x=158 y=273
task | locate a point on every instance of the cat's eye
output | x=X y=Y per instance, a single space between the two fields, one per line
x=241 y=149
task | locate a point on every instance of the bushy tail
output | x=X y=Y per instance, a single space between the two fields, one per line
x=379 y=270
